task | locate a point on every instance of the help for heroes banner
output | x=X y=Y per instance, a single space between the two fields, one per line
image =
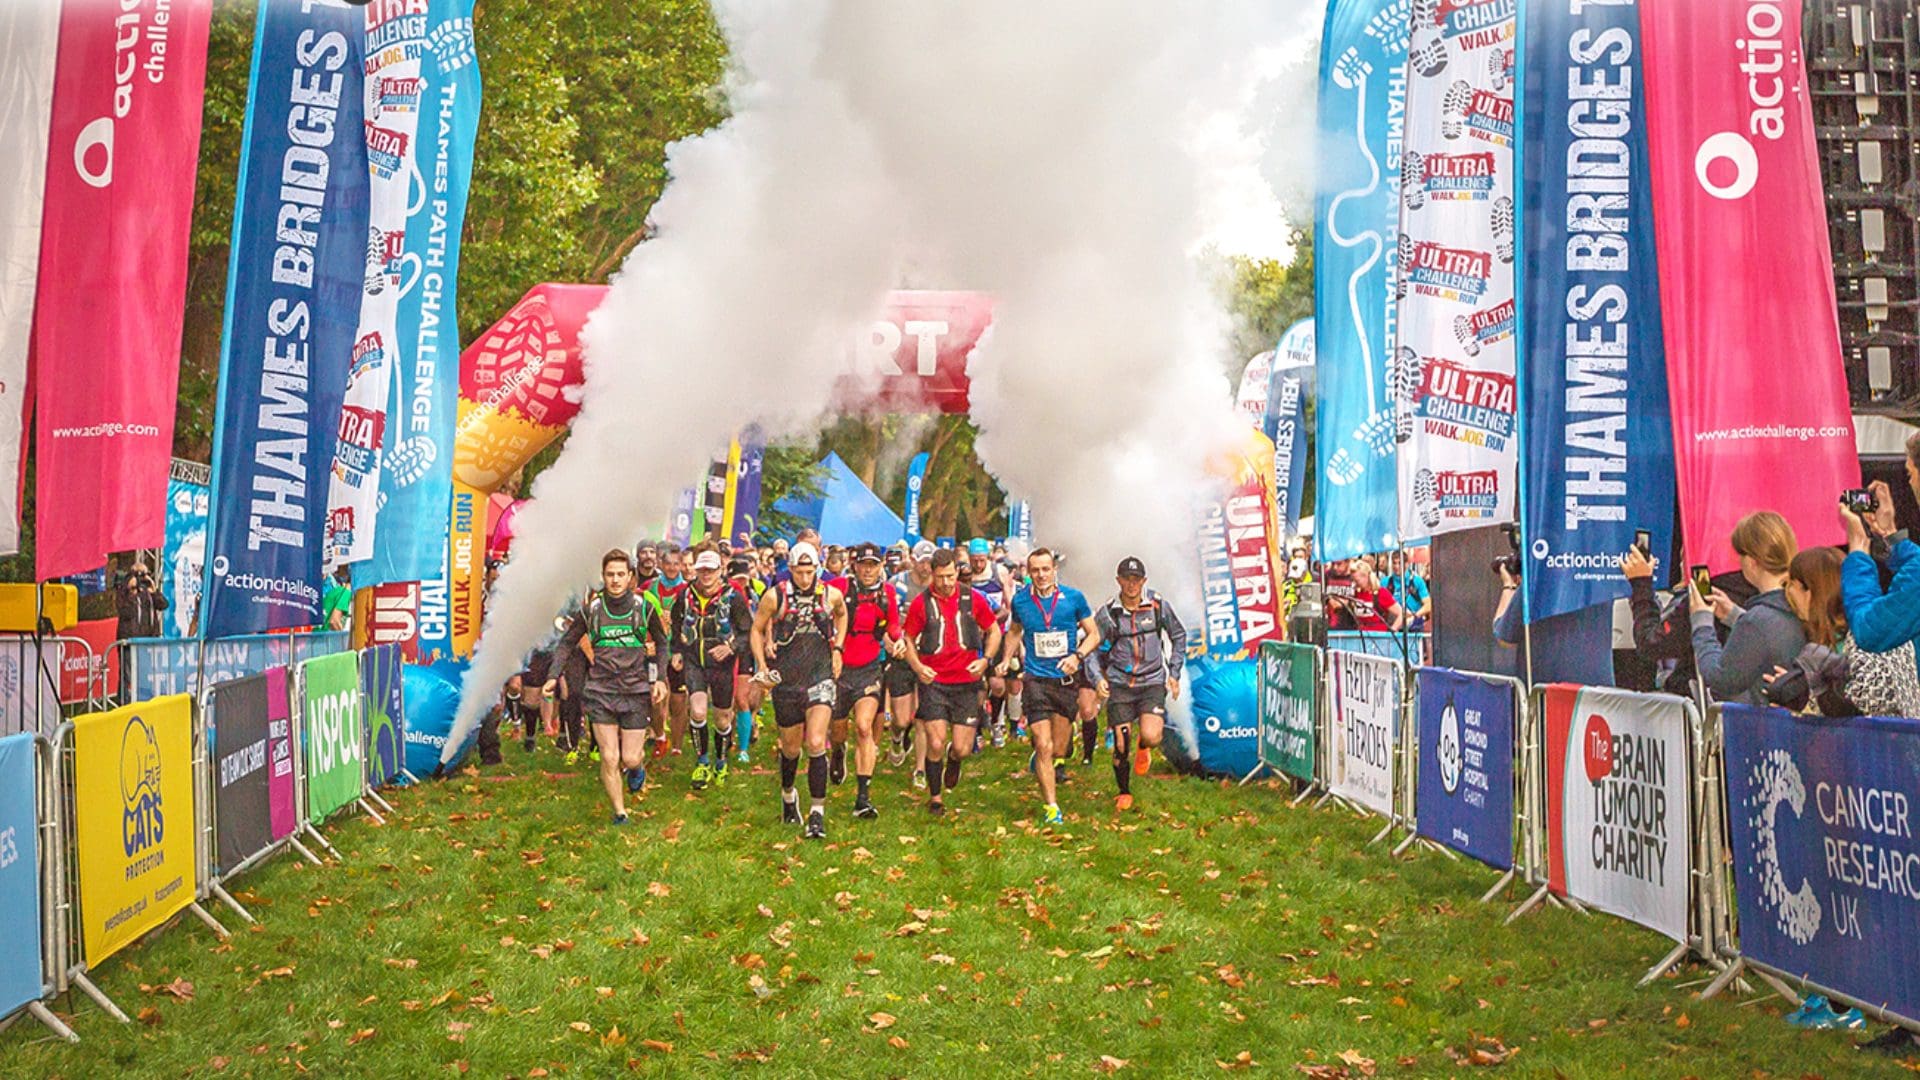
x=293 y=291
x=1453 y=365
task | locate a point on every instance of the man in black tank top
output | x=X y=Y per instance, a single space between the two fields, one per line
x=799 y=631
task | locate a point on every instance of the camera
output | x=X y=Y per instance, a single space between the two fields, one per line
x=1510 y=562
x=1859 y=501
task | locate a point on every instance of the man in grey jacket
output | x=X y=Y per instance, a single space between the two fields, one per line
x=1142 y=648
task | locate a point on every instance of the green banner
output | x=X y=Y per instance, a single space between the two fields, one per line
x=331 y=728
x=1289 y=707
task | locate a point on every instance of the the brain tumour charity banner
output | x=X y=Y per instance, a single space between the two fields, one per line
x=1826 y=867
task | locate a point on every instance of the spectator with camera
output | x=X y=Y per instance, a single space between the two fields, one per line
x=139 y=603
x=1882 y=618
x=1832 y=676
x=1764 y=635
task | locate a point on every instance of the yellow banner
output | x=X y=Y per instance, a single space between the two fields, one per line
x=133 y=820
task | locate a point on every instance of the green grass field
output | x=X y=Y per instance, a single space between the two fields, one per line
x=499 y=926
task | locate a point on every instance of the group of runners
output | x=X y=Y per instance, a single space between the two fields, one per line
x=948 y=653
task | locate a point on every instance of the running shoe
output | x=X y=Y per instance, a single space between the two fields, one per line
x=937 y=809
x=789 y=811
x=865 y=810
x=743 y=758
x=1124 y=802
x=1815 y=1013
x=719 y=773
x=702 y=776
x=659 y=748
x=896 y=755
x=919 y=780
x=999 y=735
x=593 y=755
x=1033 y=763
x=637 y=780
x=816 y=826
x=619 y=819
x=1060 y=771
x=837 y=764
x=573 y=757
x=1053 y=816
x=527 y=744
x=1142 y=761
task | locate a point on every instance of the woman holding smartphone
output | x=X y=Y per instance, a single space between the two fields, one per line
x=1766 y=633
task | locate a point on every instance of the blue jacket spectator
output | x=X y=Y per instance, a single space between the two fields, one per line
x=1882 y=619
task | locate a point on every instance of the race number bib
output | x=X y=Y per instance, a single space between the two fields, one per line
x=1050 y=644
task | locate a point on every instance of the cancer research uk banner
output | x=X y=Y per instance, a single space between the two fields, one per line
x=1453 y=365
x=1362 y=114
x=1746 y=276
x=1364 y=727
x=1618 y=807
x=1826 y=868
x=121 y=155
x=1463 y=794
x=1593 y=366
x=416 y=464
x=293 y=292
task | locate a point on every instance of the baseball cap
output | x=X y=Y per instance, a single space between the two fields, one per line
x=979 y=546
x=867 y=553
x=924 y=549
x=803 y=552
x=739 y=564
x=900 y=546
x=1131 y=567
x=707 y=560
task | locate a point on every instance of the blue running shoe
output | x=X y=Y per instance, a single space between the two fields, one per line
x=1815 y=1013
x=619 y=819
x=1053 y=816
x=637 y=780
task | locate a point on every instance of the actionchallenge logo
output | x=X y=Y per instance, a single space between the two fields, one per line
x=1726 y=165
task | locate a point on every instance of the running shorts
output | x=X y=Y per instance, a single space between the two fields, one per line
x=955 y=703
x=1126 y=704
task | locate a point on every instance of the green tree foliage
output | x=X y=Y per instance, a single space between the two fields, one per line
x=788 y=469
x=1265 y=296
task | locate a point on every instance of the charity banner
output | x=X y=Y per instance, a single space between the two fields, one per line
x=1289 y=707
x=252 y=747
x=1362 y=114
x=386 y=713
x=1754 y=372
x=90 y=672
x=133 y=821
x=30 y=696
x=415 y=467
x=293 y=288
x=1619 y=803
x=1592 y=362
x=29 y=44
x=1251 y=398
x=1240 y=558
x=1363 y=695
x=1463 y=793
x=183 y=557
x=1826 y=869
x=21 y=979
x=332 y=733
x=916 y=498
x=121 y=156
x=743 y=520
x=1453 y=366
x=159 y=666
x=1290 y=386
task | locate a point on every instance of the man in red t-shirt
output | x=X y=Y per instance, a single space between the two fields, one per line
x=950 y=633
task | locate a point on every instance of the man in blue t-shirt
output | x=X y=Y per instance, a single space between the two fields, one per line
x=1056 y=626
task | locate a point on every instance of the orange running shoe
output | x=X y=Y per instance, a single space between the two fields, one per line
x=1142 y=761
x=1124 y=802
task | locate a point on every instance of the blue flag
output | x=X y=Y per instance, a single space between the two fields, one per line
x=916 y=480
x=1363 y=97
x=20 y=975
x=1290 y=385
x=1597 y=433
x=294 y=274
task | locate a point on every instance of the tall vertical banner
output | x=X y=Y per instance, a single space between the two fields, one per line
x=1020 y=522
x=1289 y=708
x=386 y=712
x=293 y=288
x=21 y=979
x=416 y=475
x=332 y=733
x=1251 y=398
x=1453 y=367
x=121 y=156
x=1240 y=562
x=252 y=767
x=744 y=519
x=729 y=504
x=29 y=43
x=1363 y=694
x=686 y=506
x=1746 y=274
x=1362 y=118
x=1824 y=857
x=916 y=495
x=1619 y=817
x=133 y=814
x=183 y=559
x=1290 y=385
x=712 y=519
x=1463 y=791
x=1593 y=365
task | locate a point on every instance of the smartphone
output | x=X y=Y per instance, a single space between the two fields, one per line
x=1643 y=539
x=1703 y=582
x=1861 y=501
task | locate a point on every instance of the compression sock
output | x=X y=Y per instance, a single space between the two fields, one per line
x=952 y=778
x=865 y=782
x=817 y=780
x=722 y=744
x=839 y=752
x=936 y=779
x=743 y=722
x=789 y=768
x=1089 y=734
x=1123 y=759
x=700 y=741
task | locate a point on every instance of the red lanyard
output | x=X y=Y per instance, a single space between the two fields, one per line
x=1046 y=617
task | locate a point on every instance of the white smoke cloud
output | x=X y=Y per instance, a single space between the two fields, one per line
x=1065 y=157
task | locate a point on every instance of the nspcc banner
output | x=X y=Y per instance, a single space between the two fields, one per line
x=252 y=767
x=1453 y=368
x=293 y=297
x=1363 y=98
x=1463 y=796
x=1289 y=708
x=21 y=980
x=1599 y=437
x=1746 y=276
x=386 y=711
x=331 y=728
x=1364 y=727
x=133 y=821
x=1826 y=868
x=123 y=147
x=1619 y=810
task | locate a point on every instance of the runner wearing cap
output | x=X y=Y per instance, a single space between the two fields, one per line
x=1142 y=647
x=1060 y=623
x=873 y=634
x=625 y=637
x=990 y=580
x=711 y=625
x=901 y=684
x=798 y=633
x=949 y=636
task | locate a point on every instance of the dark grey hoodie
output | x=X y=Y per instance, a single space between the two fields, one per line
x=1767 y=635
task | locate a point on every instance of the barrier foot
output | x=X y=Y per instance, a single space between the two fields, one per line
x=206 y=916
x=384 y=804
x=371 y=812
x=1400 y=848
x=1500 y=886
x=408 y=773
x=40 y=1012
x=1322 y=800
x=1665 y=963
x=1305 y=794
x=1381 y=835
x=78 y=977
x=294 y=842
x=1723 y=980
x=321 y=840
x=220 y=893
x=1779 y=985
x=1442 y=849
x=1531 y=902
